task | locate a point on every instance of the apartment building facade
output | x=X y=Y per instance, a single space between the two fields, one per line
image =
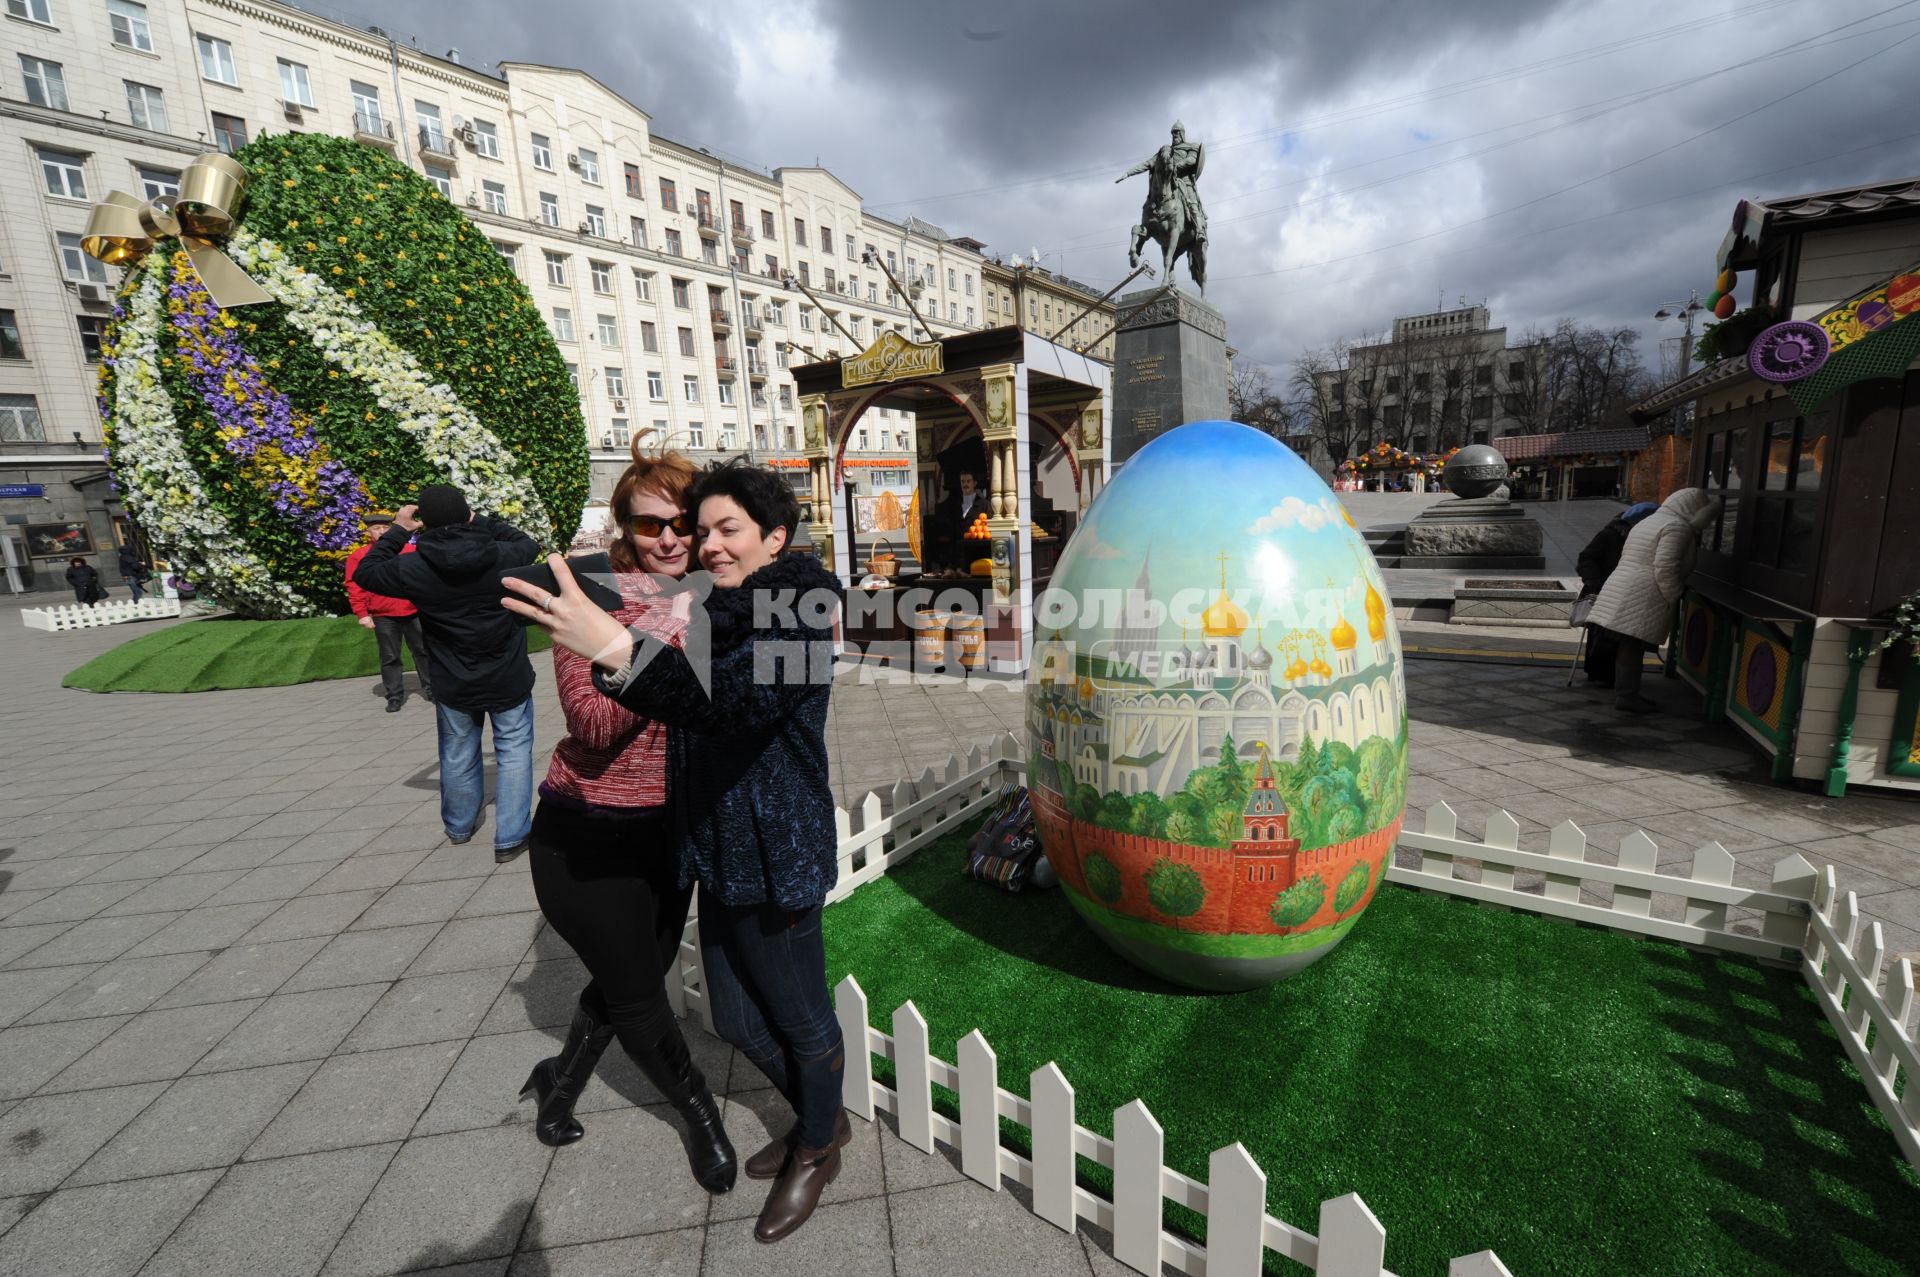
x=662 y=269
x=1045 y=303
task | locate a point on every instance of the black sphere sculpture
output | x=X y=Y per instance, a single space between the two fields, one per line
x=1477 y=470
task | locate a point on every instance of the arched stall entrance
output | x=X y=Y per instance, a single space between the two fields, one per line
x=1010 y=447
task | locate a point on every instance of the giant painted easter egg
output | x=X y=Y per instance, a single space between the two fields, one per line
x=1216 y=713
x=397 y=349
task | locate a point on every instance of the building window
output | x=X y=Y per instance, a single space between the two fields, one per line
x=20 y=420
x=31 y=10
x=602 y=277
x=953 y=312
x=649 y=337
x=826 y=238
x=366 y=109
x=686 y=342
x=726 y=396
x=616 y=383
x=656 y=386
x=295 y=87
x=596 y=221
x=806 y=319
x=786 y=399
x=46 y=86
x=690 y=388
x=799 y=233
x=852 y=254
x=668 y=200
x=442 y=178
x=93 y=331
x=827 y=275
x=969 y=283
x=682 y=294
x=637 y=231
x=1516 y=372
x=776 y=311
x=77 y=265
x=145 y=107
x=969 y=316
x=950 y=278
x=549 y=208
x=432 y=136
x=129 y=23
x=573 y=375
x=621 y=435
x=1483 y=375
x=805 y=278
x=556 y=267
x=155 y=182
x=494 y=197
x=696 y=435
x=562 y=324
x=643 y=285
x=542 y=152
x=509 y=254
x=632 y=173
x=229 y=132
x=10 y=344
x=216 y=60
x=589 y=165
x=709 y=252
x=486 y=139
x=607 y=330
x=729 y=435
x=673 y=243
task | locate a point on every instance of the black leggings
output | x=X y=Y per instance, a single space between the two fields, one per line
x=610 y=887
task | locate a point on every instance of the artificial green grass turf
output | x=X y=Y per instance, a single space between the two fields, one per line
x=1579 y=1101
x=206 y=656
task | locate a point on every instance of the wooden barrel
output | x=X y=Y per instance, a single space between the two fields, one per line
x=970 y=634
x=930 y=637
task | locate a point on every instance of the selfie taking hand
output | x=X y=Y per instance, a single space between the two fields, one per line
x=571 y=617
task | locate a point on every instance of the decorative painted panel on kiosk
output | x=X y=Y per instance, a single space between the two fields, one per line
x=1216 y=713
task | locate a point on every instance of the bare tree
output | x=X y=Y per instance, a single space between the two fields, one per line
x=1252 y=401
x=1320 y=382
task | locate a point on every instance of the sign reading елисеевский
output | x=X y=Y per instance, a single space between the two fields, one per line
x=891 y=358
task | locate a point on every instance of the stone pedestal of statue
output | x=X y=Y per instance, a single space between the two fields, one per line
x=1478 y=532
x=1169 y=366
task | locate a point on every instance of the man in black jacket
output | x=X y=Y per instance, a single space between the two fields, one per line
x=476 y=653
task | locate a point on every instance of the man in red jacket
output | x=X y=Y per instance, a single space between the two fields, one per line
x=391 y=620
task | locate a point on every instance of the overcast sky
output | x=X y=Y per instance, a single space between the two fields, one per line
x=1365 y=159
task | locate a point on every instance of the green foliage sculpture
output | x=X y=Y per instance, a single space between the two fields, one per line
x=399 y=349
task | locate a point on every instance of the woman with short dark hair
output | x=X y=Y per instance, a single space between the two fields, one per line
x=754 y=809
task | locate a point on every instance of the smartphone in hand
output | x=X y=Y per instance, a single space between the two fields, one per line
x=593 y=573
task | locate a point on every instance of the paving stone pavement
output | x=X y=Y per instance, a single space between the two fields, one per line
x=257 y=1017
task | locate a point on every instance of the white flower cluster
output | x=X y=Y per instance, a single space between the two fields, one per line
x=450 y=437
x=159 y=484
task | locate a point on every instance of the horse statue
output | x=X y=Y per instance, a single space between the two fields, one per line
x=1172 y=216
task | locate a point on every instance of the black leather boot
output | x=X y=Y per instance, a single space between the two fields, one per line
x=673 y=1073
x=558 y=1080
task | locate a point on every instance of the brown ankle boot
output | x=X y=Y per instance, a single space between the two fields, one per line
x=797 y=1192
x=771 y=1160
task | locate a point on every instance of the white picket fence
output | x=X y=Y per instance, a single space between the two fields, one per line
x=87 y=616
x=1800 y=919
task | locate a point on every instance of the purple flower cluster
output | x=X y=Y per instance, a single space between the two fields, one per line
x=321 y=497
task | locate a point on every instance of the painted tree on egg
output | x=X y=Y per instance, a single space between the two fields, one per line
x=399 y=350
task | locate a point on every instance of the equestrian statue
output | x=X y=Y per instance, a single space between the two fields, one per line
x=1172 y=216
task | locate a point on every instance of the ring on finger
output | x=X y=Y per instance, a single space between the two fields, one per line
x=546 y=603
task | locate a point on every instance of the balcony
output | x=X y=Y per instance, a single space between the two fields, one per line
x=709 y=229
x=371 y=128
x=742 y=233
x=757 y=369
x=722 y=321
x=726 y=367
x=435 y=146
x=750 y=324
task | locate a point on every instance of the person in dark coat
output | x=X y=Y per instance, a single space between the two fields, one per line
x=85 y=581
x=1595 y=564
x=747 y=759
x=392 y=621
x=134 y=570
x=476 y=654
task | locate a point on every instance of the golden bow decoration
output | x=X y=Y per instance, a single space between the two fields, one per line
x=123 y=229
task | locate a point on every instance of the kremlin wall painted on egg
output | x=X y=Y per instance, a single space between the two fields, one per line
x=1218 y=783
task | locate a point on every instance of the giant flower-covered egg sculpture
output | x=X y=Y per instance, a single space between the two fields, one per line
x=394 y=347
x=1217 y=713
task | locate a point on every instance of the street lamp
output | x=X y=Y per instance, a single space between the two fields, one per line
x=1683 y=311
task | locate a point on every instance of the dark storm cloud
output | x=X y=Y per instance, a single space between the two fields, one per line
x=1346 y=138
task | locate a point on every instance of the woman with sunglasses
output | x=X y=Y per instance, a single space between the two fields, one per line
x=606 y=867
x=752 y=802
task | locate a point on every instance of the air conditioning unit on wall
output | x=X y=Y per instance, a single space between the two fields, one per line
x=573 y=161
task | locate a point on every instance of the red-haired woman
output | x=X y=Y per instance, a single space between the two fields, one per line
x=606 y=863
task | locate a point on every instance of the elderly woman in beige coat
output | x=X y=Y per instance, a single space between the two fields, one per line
x=1637 y=601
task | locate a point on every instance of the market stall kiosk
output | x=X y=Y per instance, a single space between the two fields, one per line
x=1026 y=419
x=1807 y=424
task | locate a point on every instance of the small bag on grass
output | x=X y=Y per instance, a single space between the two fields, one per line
x=1007 y=847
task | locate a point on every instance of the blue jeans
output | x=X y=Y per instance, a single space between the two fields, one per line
x=463 y=781
x=766 y=973
x=137 y=588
